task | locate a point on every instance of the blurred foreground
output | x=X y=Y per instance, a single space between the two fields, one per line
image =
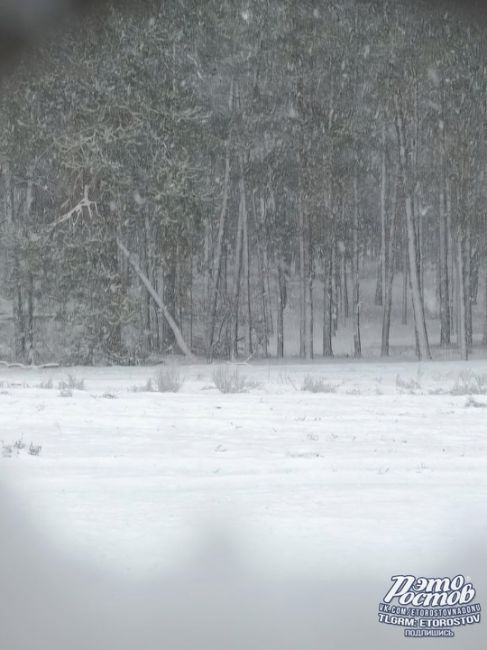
x=324 y=481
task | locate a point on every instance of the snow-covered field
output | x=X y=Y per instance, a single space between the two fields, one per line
x=386 y=462
x=320 y=497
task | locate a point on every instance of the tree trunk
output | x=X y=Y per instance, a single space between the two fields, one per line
x=415 y=179
x=157 y=299
x=29 y=323
x=327 y=306
x=444 y=280
x=246 y=262
x=30 y=332
x=191 y=300
x=467 y=285
x=344 y=284
x=334 y=290
x=217 y=268
x=381 y=291
x=281 y=305
x=357 y=345
x=302 y=284
x=207 y=271
x=170 y=295
x=390 y=263
x=462 y=317
x=450 y=254
x=12 y=215
x=484 y=340
x=474 y=274
x=148 y=257
x=379 y=287
x=405 y=279
x=261 y=243
x=309 y=294
x=265 y=266
x=237 y=279
x=329 y=234
x=414 y=275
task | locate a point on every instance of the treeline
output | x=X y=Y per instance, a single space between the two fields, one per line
x=168 y=172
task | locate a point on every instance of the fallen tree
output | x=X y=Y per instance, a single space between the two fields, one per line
x=183 y=346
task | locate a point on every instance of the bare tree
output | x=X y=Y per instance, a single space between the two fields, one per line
x=414 y=272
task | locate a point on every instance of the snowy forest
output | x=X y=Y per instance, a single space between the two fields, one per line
x=245 y=179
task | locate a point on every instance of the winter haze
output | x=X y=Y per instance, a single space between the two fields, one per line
x=243 y=320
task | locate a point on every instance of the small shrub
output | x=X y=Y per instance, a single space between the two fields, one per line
x=7 y=450
x=473 y=403
x=19 y=446
x=168 y=380
x=437 y=391
x=65 y=392
x=14 y=384
x=34 y=450
x=72 y=383
x=408 y=385
x=46 y=384
x=468 y=383
x=109 y=396
x=287 y=379
x=148 y=387
x=229 y=380
x=317 y=385
x=356 y=391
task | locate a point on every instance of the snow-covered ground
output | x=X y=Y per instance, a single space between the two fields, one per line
x=116 y=527
x=386 y=465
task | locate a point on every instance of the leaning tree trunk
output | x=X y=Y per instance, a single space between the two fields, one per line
x=414 y=274
x=158 y=300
